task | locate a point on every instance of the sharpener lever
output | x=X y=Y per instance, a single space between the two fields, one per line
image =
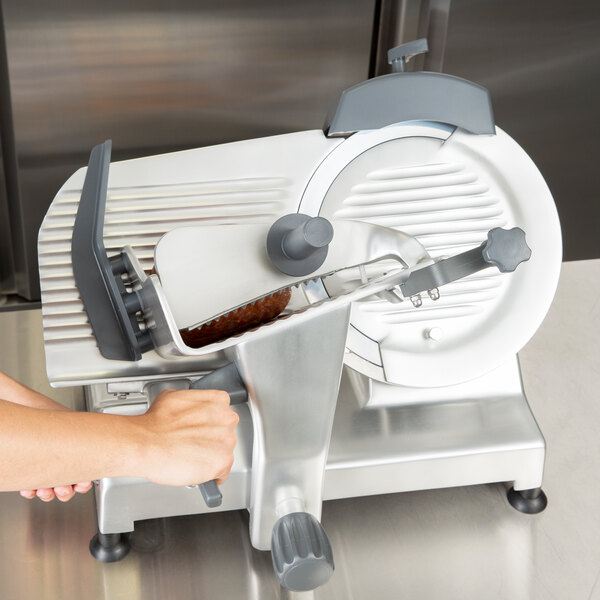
x=505 y=249
x=228 y=379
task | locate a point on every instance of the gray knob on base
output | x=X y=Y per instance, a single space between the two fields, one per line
x=301 y=552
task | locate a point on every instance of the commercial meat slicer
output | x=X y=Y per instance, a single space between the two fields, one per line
x=422 y=249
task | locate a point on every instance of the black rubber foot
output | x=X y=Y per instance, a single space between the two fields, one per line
x=530 y=502
x=109 y=547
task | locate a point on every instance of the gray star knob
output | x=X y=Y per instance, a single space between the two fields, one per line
x=301 y=552
x=506 y=248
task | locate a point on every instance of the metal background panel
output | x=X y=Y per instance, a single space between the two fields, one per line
x=157 y=76
x=541 y=63
x=6 y=244
x=400 y=21
x=6 y=258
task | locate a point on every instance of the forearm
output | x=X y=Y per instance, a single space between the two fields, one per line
x=16 y=392
x=46 y=448
x=184 y=438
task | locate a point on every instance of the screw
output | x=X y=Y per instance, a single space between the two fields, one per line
x=435 y=334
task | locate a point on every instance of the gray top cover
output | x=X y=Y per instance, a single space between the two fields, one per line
x=400 y=97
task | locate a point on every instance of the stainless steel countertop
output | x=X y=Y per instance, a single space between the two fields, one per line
x=461 y=543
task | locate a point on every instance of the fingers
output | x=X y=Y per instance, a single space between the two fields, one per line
x=63 y=492
x=217 y=396
x=230 y=419
x=224 y=475
x=45 y=494
x=191 y=437
x=213 y=422
x=176 y=410
x=82 y=488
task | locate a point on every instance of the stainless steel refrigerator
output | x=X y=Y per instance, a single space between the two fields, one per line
x=157 y=76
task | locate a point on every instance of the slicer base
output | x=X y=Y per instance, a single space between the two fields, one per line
x=483 y=432
x=489 y=438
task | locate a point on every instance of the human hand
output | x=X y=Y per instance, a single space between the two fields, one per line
x=63 y=492
x=189 y=437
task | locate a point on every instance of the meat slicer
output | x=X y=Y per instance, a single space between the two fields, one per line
x=422 y=249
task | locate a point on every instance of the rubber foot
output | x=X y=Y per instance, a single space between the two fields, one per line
x=109 y=547
x=530 y=502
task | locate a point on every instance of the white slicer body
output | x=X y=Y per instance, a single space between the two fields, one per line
x=365 y=392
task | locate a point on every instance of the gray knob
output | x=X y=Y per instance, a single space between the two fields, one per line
x=506 y=248
x=306 y=238
x=226 y=378
x=297 y=244
x=301 y=552
x=400 y=55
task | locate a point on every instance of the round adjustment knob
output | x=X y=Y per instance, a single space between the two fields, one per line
x=301 y=552
x=297 y=244
x=307 y=238
x=506 y=248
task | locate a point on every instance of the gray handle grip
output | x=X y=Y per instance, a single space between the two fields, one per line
x=228 y=379
x=211 y=493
